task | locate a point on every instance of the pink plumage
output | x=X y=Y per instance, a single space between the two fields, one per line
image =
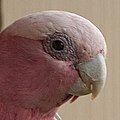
x=39 y=57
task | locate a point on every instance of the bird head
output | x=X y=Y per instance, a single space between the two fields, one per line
x=50 y=57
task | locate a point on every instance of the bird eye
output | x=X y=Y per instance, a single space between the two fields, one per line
x=60 y=46
x=57 y=45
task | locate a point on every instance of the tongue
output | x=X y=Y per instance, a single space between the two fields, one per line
x=73 y=99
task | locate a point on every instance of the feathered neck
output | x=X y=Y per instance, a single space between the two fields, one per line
x=14 y=113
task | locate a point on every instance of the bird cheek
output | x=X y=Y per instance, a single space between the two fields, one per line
x=70 y=75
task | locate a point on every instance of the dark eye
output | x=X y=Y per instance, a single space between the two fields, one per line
x=57 y=45
x=60 y=46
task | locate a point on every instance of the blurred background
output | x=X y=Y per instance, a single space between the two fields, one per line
x=105 y=14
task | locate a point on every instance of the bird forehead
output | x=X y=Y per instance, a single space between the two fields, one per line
x=38 y=26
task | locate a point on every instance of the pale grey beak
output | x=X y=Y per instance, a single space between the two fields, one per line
x=92 y=77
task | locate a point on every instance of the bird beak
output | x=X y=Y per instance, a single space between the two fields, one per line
x=92 y=77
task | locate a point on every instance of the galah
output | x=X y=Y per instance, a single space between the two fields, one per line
x=46 y=59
